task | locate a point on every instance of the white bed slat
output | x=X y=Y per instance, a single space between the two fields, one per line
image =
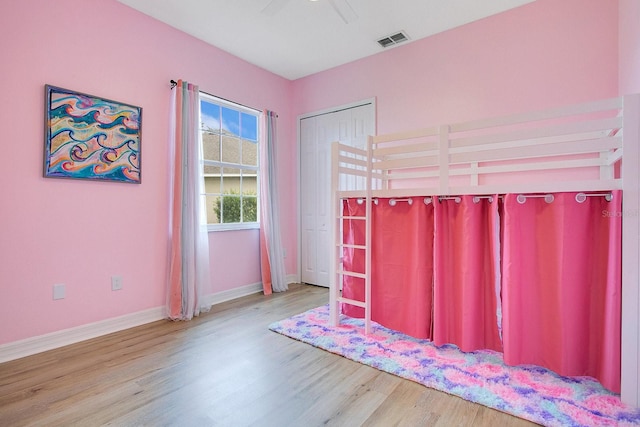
x=498 y=169
x=352 y=274
x=573 y=110
x=514 y=188
x=402 y=136
x=536 y=166
x=545 y=150
x=405 y=149
x=352 y=302
x=350 y=149
x=352 y=161
x=540 y=187
x=534 y=141
x=411 y=162
x=542 y=132
x=345 y=245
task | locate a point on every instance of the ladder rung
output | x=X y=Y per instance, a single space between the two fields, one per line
x=348 y=245
x=353 y=217
x=352 y=302
x=352 y=274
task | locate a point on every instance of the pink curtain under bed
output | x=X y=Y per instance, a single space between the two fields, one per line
x=467 y=273
x=539 y=281
x=402 y=273
x=562 y=285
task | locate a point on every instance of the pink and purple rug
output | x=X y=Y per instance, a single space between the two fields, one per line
x=530 y=392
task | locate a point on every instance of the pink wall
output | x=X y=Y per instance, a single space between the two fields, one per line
x=629 y=37
x=80 y=233
x=542 y=54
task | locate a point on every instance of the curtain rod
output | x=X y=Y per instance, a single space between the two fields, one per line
x=175 y=83
x=521 y=198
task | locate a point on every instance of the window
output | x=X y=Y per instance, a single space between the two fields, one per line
x=230 y=146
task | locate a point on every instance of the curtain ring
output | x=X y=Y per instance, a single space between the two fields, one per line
x=521 y=199
x=549 y=198
x=581 y=197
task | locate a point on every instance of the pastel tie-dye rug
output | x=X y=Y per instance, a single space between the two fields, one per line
x=530 y=392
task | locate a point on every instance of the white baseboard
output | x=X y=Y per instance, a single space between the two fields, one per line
x=29 y=346
x=292 y=278
x=223 y=296
x=38 y=344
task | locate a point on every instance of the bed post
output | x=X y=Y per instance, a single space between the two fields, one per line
x=443 y=159
x=334 y=277
x=630 y=375
x=368 y=241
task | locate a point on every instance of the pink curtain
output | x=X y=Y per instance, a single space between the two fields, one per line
x=402 y=275
x=466 y=273
x=189 y=240
x=562 y=285
x=353 y=259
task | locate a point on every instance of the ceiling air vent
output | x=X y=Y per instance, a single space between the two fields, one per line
x=393 y=39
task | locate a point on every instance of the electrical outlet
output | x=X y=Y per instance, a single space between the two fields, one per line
x=116 y=283
x=58 y=291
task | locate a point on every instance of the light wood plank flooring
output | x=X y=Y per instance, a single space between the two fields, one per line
x=224 y=368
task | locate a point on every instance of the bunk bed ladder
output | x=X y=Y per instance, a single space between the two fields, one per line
x=339 y=270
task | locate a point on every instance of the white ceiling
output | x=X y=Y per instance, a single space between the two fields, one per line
x=304 y=37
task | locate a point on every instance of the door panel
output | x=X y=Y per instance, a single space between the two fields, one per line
x=308 y=200
x=330 y=126
x=350 y=126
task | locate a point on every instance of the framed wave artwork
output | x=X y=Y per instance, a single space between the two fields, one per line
x=88 y=137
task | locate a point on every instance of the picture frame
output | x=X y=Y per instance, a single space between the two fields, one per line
x=89 y=137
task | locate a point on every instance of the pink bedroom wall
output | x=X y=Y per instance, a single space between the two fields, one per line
x=543 y=54
x=629 y=53
x=81 y=233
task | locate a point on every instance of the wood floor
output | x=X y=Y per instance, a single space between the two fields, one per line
x=224 y=368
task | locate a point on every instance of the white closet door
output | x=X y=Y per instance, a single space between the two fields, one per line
x=308 y=241
x=350 y=126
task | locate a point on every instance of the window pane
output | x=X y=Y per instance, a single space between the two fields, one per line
x=249 y=128
x=231 y=121
x=212 y=183
x=230 y=149
x=249 y=183
x=231 y=208
x=211 y=170
x=211 y=145
x=231 y=181
x=249 y=153
x=212 y=209
x=250 y=208
x=210 y=116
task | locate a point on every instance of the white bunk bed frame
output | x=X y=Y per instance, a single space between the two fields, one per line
x=468 y=158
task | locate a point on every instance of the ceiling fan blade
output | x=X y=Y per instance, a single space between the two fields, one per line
x=274 y=7
x=344 y=9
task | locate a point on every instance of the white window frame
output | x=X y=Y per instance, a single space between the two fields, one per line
x=244 y=168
